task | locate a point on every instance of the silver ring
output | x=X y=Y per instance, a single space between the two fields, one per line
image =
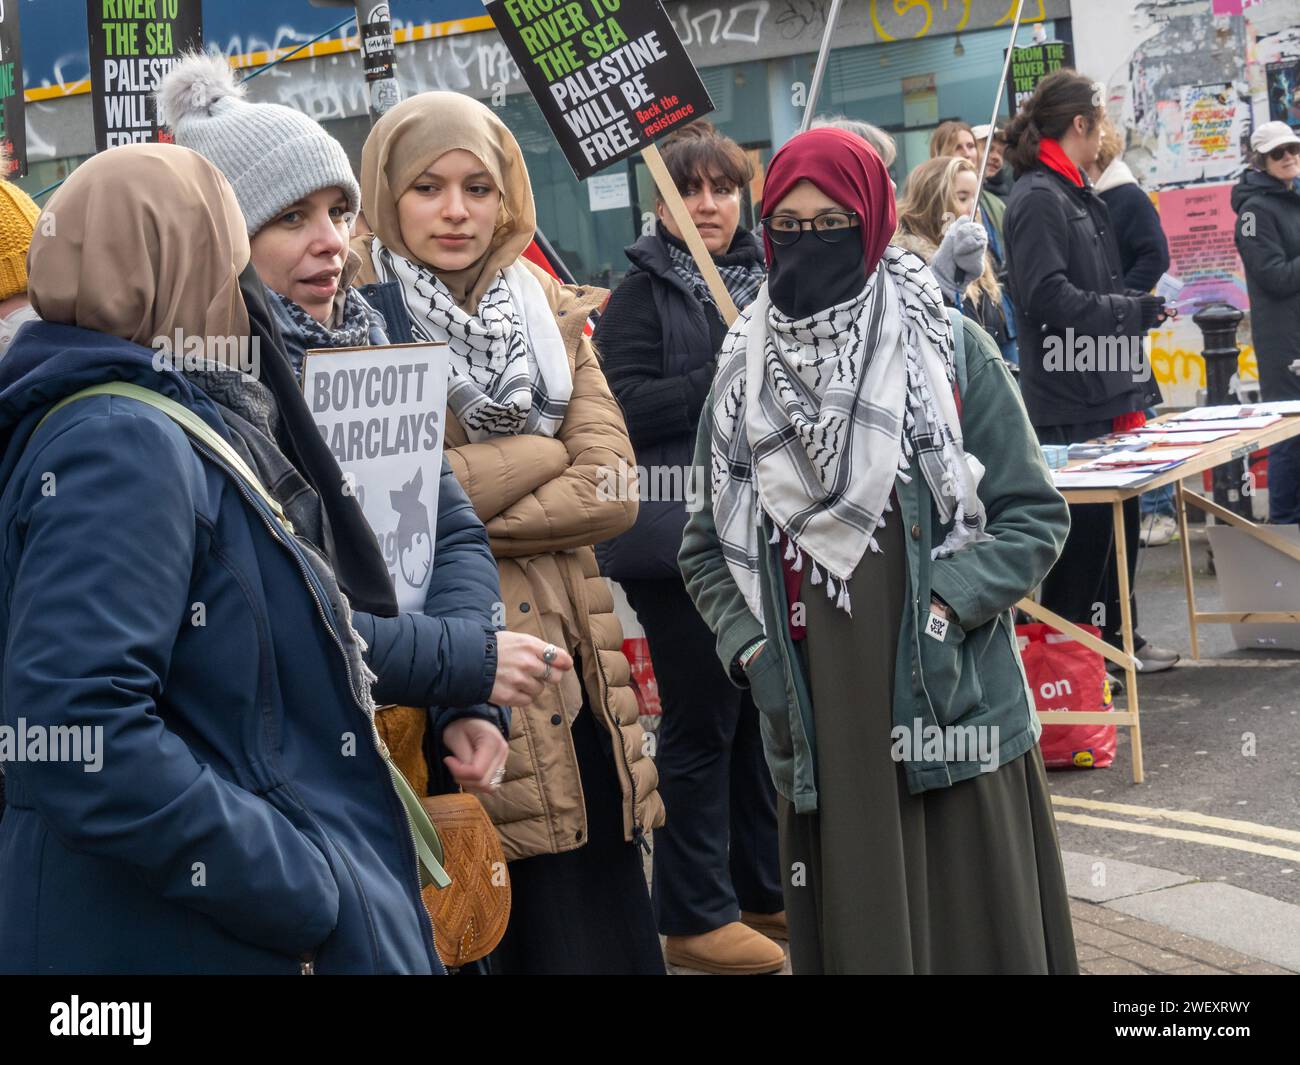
x=549 y=654
x=547 y=675
x=498 y=776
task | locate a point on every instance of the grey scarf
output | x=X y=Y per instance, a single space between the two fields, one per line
x=250 y=411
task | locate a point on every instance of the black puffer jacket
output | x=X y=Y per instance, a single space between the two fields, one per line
x=658 y=344
x=1268 y=240
x=1064 y=271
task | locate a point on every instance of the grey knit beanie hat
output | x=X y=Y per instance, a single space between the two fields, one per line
x=271 y=154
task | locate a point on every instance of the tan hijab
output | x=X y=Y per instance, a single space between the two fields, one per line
x=418 y=132
x=140 y=241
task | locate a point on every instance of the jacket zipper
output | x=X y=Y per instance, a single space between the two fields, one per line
x=616 y=738
x=381 y=748
x=307 y=965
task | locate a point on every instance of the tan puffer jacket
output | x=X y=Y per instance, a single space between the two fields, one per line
x=540 y=499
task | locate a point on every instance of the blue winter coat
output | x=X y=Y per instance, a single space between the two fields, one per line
x=242 y=818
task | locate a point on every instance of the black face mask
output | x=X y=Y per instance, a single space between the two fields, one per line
x=810 y=275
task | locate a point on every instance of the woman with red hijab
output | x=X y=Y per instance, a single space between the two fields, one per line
x=858 y=564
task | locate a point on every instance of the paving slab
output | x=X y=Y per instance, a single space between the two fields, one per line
x=1239 y=921
x=1103 y=879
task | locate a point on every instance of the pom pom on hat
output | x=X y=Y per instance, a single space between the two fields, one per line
x=194 y=86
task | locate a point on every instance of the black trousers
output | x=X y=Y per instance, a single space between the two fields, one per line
x=1083 y=586
x=584 y=912
x=718 y=853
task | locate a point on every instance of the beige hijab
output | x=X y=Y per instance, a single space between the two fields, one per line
x=140 y=241
x=418 y=132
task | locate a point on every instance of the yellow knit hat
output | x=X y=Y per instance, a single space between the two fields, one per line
x=18 y=214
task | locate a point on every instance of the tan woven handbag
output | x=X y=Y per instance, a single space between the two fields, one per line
x=471 y=912
x=469 y=915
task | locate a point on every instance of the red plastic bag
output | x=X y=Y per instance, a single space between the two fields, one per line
x=644 y=684
x=1065 y=675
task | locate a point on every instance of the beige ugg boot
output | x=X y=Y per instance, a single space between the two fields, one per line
x=733 y=950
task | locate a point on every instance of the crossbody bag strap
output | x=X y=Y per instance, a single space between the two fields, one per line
x=427 y=844
x=191 y=423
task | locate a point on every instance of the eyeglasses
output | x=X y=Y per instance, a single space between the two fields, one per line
x=830 y=227
x=1278 y=154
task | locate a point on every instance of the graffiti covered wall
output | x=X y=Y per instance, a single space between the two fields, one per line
x=1186 y=87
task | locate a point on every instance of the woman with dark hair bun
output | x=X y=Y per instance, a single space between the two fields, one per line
x=716 y=885
x=1067 y=284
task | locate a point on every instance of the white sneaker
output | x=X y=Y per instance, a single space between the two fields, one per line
x=1158 y=530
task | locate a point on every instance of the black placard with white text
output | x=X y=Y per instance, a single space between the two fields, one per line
x=1031 y=64
x=133 y=45
x=611 y=76
x=13 y=122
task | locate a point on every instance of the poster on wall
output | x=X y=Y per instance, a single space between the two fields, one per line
x=1199 y=224
x=1199 y=133
x=13 y=122
x=133 y=45
x=1212 y=130
x=1032 y=64
x=610 y=78
x=1283 y=81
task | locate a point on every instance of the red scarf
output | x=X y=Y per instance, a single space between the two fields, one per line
x=1052 y=156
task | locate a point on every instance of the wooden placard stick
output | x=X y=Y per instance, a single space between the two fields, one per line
x=690 y=234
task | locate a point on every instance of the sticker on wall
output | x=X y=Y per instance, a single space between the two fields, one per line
x=608 y=192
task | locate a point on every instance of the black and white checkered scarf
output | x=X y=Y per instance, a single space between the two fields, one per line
x=509 y=367
x=743 y=280
x=814 y=419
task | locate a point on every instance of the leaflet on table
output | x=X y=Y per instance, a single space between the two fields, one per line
x=1161 y=436
x=1238 y=412
x=1232 y=425
x=1163 y=457
x=1105 y=445
x=1080 y=478
x=1277 y=406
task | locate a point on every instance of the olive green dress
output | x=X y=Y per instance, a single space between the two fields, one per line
x=965 y=879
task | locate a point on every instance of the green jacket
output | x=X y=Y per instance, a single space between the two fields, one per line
x=996 y=208
x=973 y=676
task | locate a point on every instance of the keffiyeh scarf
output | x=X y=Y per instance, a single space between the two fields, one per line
x=814 y=419
x=362 y=325
x=509 y=367
x=743 y=280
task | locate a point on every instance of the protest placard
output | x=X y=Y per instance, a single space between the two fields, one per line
x=1031 y=64
x=380 y=410
x=13 y=124
x=610 y=79
x=133 y=45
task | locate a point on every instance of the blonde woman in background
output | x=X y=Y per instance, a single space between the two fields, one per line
x=936 y=220
x=953 y=138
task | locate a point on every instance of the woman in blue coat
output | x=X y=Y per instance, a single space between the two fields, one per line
x=218 y=800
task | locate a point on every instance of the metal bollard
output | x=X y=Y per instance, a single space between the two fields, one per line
x=1218 y=325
